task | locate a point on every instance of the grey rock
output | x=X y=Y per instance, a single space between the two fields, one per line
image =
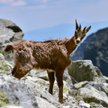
x=1 y=57
x=42 y=103
x=105 y=88
x=66 y=106
x=95 y=105
x=106 y=78
x=80 y=84
x=90 y=94
x=32 y=90
x=83 y=104
x=26 y=92
x=12 y=106
x=40 y=74
x=84 y=70
x=5 y=66
x=9 y=32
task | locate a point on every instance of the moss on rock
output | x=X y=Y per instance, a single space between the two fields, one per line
x=3 y=99
x=4 y=66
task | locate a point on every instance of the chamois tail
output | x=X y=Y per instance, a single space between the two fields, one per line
x=9 y=48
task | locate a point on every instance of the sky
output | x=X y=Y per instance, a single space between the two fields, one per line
x=38 y=14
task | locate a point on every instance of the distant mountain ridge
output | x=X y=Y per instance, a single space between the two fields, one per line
x=95 y=48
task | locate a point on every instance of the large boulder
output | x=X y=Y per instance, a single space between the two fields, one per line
x=94 y=93
x=9 y=32
x=26 y=93
x=84 y=70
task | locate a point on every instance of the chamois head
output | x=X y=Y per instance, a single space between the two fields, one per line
x=23 y=59
x=80 y=33
x=19 y=72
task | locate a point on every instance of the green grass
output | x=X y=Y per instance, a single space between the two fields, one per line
x=3 y=67
x=2 y=52
x=3 y=99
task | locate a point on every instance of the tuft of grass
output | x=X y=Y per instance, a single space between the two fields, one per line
x=2 y=52
x=4 y=66
x=3 y=99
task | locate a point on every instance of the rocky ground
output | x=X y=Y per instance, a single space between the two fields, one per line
x=84 y=84
x=84 y=87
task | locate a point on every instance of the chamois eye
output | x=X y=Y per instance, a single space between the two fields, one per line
x=77 y=41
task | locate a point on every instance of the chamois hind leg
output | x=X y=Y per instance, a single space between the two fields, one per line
x=51 y=81
x=59 y=76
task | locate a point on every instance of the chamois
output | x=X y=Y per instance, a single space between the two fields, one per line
x=52 y=55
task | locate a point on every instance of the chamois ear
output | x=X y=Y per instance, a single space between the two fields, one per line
x=76 y=24
x=88 y=28
x=84 y=29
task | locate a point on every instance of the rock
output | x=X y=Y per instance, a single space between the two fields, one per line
x=42 y=103
x=1 y=57
x=105 y=88
x=4 y=65
x=32 y=90
x=106 y=78
x=90 y=94
x=26 y=92
x=12 y=106
x=99 y=86
x=95 y=105
x=9 y=32
x=83 y=104
x=3 y=99
x=40 y=74
x=80 y=84
x=67 y=79
x=66 y=106
x=83 y=70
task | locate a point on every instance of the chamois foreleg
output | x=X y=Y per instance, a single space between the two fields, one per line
x=51 y=81
x=59 y=76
